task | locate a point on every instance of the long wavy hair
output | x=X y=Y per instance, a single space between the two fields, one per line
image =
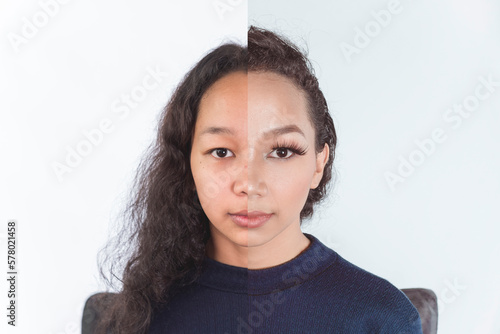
x=166 y=230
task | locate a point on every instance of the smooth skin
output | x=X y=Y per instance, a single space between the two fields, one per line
x=235 y=166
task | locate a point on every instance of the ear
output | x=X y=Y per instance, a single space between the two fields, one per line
x=321 y=160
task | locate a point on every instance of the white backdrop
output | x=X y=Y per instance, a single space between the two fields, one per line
x=71 y=70
x=67 y=69
x=395 y=74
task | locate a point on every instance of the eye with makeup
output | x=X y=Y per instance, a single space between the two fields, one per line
x=283 y=150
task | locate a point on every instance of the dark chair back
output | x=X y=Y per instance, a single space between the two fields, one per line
x=425 y=301
x=92 y=308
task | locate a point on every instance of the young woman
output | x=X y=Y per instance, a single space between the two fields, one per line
x=244 y=151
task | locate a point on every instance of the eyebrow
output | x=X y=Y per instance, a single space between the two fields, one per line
x=292 y=128
x=284 y=130
x=214 y=130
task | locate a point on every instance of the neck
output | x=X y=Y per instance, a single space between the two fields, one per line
x=259 y=252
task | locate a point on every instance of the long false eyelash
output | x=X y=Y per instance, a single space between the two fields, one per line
x=294 y=147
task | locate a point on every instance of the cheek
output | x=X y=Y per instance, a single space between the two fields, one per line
x=290 y=187
x=293 y=174
x=212 y=184
x=295 y=188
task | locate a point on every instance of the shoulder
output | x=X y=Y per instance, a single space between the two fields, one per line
x=381 y=305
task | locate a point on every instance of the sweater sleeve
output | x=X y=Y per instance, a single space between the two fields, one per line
x=404 y=319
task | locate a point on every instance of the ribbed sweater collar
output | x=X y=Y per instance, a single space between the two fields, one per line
x=308 y=264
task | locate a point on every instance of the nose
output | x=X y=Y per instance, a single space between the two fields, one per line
x=250 y=180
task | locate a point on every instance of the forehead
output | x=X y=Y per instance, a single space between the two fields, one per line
x=273 y=101
x=227 y=96
x=268 y=88
x=255 y=102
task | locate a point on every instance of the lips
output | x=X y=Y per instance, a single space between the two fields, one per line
x=252 y=219
x=250 y=214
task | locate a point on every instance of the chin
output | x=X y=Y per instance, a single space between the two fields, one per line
x=249 y=238
x=240 y=238
x=258 y=237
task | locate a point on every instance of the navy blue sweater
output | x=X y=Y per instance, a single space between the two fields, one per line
x=316 y=292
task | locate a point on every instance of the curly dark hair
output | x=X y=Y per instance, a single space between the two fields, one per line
x=166 y=231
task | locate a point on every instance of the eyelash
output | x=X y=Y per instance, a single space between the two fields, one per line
x=293 y=147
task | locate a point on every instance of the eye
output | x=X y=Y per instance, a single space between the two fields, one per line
x=287 y=150
x=221 y=152
x=282 y=153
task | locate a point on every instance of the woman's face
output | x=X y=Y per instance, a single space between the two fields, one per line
x=253 y=150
